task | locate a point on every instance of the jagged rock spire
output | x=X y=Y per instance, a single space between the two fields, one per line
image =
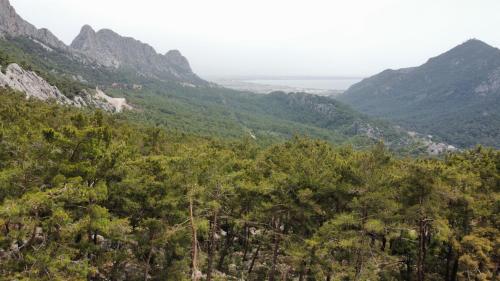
x=14 y=25
x=110 y=49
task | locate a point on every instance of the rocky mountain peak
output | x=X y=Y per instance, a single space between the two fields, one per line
x=175 y=57
x=450 y=92
x=174 y=54
x=87 y=29
x=474 y=53
x=111 y=49
x=14 y=25
x=86 y=32
x=86 y=39
x=473 y=46
x=10 y=22
x=475 y=43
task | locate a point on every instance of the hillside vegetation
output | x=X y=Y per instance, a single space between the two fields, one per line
x=454 y=96
x=208 y=111
x=89 y=196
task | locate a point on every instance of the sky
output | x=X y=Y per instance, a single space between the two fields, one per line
x=281 y=37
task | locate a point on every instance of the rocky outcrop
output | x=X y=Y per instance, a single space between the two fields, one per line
x=439 y=148
x=30 y=83
x=110 y=49
x=117 y=104
x=99 y=49
x=176 y=59
x=11 y=24
x=491 y=85
x=34 y=86
x=99 y=99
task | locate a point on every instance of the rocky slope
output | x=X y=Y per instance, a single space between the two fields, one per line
x=105 y=48
x=34 y=86
x=454 y=96
x=11 y=24
x=30 y=83
x=113 y=50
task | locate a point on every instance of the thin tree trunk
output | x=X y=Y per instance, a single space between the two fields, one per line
x=284 y=275
x=359 y=265
x=309 y=273
x=329 y=277
x=225 y=250
x=148 y=260
x=194 y=243
x=421 y=246
x=245 y=243
x=254 y=258
x=7 y=229
x=211 y=250
x=384 y=243
x=421 y=241
x=32 y=237
x=276 y=242
x=449 y=256
x=453 y=276
x=408 y=268
x=302 y=271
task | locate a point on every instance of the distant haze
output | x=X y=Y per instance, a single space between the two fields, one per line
x=281 y=37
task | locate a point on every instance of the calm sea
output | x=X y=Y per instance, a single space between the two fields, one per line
x=320 y=84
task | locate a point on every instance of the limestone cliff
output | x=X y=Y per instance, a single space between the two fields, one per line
x=34 y=86
x=110 y=49
x=12 y=24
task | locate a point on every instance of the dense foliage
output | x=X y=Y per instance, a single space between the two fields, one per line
x=87 y=196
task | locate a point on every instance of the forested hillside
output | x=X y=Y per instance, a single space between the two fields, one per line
x=89 y=196
x=209 y=110
x=454 y=96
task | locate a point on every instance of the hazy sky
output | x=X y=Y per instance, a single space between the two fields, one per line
x=281 y=37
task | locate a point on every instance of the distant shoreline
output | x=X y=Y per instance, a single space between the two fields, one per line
x=320 y=85
x=282 y=77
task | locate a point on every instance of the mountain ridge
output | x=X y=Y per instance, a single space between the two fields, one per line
x=453 y=95
x=111 y=49
x=104 y=47
x=14 y=25
x=149 y=82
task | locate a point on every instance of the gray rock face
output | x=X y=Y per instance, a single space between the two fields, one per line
x=113 y=50
x=30 y=83
x=105 y=48
x=175 y=58
x=99 y=99
x=13 y=25
x=34 y=86
x=491 y=85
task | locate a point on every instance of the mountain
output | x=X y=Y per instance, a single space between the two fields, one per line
x=205 y=111
x=454 y=96
x=110 y=49
x=104 y=47
x=11 y=24
x=105 y=70
x=38 y=78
